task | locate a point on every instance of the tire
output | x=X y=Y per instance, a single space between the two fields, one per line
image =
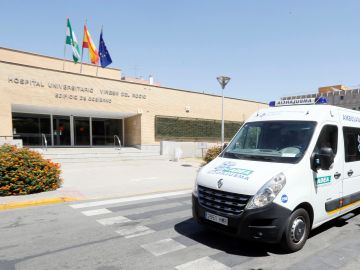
x=296 y=231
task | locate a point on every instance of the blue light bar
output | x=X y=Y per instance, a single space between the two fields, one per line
x=321 y=100
x=299 y=101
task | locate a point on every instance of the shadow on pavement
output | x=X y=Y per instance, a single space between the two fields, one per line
x=339 y=222
x=231 y=245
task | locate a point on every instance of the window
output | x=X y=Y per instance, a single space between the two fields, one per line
x=250 y=138
x=272 y=141
x=29 y=128
x=328 y=138
x=352 y=144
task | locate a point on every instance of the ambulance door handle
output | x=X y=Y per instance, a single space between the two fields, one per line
x=337 y=175
x=350 y=173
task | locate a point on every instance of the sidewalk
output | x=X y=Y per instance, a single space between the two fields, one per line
x=87 y=181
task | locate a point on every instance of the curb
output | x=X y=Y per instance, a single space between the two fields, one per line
x=39 y=202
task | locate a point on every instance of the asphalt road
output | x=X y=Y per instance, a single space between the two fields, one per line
x=155 y=234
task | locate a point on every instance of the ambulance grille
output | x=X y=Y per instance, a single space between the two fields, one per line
x=222 y=201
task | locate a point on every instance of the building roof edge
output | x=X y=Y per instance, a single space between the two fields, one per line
x=47 y=56
x=119 y=80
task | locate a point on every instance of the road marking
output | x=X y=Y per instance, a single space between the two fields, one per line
x=142 y=179
x=203 y=263
x=143 y=210
x=129 y=199
x=130 y=231
x=96 y=212
x=113 y=220
x=163 y=247
x=164 y=218
x=139 y=234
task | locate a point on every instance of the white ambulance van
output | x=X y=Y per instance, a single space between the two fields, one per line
x=290 y=168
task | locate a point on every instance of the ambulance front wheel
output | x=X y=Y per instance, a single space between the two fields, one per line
x=296 y=231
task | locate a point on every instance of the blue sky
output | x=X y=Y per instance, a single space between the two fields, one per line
x=268 y=48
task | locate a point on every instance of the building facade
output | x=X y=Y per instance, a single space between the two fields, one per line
x=337 y=95
x=45 y=97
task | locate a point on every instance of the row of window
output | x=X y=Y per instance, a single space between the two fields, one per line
x=329 y=137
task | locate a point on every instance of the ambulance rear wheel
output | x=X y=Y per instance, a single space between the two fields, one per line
x=296 y=231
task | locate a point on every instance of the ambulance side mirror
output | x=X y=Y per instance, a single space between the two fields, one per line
x=322 y=160
x=224 y=146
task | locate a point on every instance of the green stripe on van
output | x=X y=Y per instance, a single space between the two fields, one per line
x=323 y=180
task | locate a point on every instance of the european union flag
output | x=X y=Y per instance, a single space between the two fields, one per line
x=105 y=58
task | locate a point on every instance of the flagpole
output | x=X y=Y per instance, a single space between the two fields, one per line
x=82 y=48
x=65 y=43
x=97 y=67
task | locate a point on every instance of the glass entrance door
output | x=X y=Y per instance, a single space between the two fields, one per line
x=61 y=126
x=103 y=131
x=66 y=130
x=31 y=127
x=82 y=130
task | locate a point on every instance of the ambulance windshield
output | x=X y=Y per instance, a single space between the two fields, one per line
x=273 y=141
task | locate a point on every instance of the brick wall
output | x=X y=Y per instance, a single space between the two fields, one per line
x=133 y=130
x=122 y=100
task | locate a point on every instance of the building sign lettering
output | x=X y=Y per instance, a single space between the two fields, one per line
x=33 y=83
x=70 y=88
x=75 y=92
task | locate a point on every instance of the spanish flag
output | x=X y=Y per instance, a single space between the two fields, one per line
x=88 y=43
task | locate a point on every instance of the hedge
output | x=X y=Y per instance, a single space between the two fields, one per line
x=23 y=171
x=212 y=153
x=192 y=129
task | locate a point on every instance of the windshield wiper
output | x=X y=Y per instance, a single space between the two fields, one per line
x=231 y=155
x=244 y=156
x=267 y=158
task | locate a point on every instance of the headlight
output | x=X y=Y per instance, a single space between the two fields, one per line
x=268 y=192
x=195 y=189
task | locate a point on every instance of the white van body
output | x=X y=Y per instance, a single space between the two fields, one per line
x=323 y=193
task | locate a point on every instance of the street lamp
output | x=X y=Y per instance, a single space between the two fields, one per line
x=223 y=80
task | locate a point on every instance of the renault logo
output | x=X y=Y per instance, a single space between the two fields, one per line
x=220 y=183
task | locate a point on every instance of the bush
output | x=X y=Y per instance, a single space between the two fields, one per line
x=23 y=171
x=212 y=153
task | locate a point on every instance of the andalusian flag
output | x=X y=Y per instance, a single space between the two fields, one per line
x=71 y=40
x=88 y=43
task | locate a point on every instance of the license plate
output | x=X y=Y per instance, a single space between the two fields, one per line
x=216 y=218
